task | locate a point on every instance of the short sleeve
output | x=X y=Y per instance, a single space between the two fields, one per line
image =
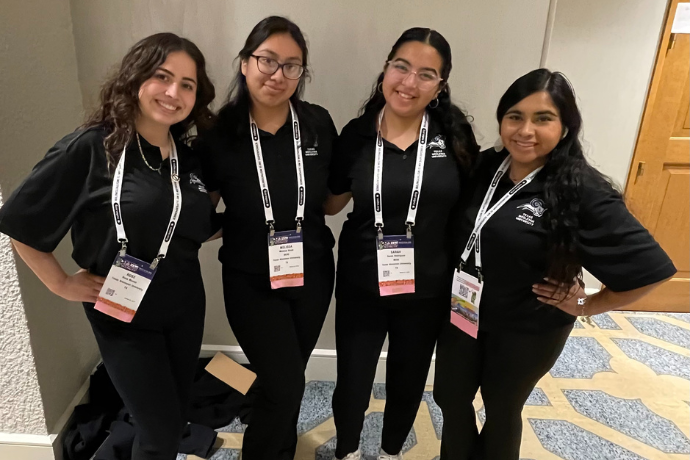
x=206 y=153
x=345 y=150
x=42 y=209
x=613 y=245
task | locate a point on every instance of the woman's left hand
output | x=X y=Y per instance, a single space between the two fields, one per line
x=568 y=299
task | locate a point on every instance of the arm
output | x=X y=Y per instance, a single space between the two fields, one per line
x=215 y=198
x=81 y=287
x=335 y=203
x=605 y=300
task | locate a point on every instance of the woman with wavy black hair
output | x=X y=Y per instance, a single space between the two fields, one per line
x=402 y=161
x=132 y=194
x=539 y=213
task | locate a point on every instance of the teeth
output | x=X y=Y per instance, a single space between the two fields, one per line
x=405 y=96
x=167 y=106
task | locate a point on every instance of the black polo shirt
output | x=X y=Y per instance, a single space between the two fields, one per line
x=230 y=168
x=612 y=245
x=353 y=171
x=71 y=189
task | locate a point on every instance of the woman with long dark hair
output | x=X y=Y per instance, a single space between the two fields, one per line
x=538 y=215
x=402 y=161
x=132 y=194
x=268 y=158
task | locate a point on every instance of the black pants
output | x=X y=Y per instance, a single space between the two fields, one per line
x=152 y=361
x=506 y=366
x=277 y=330
x=360 y=330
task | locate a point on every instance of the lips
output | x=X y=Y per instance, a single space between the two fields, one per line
x=525 y=145
x=168 y=107
x=405 y=96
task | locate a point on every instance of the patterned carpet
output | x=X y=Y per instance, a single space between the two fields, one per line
x=620 y=391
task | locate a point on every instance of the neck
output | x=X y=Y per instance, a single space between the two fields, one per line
x=394 y=125
x=155 y=134
x=269 y=119
x=519 y=171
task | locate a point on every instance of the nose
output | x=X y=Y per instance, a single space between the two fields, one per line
x=279 y=75
x=526 y=129
x=410 y=79
x=172 y=90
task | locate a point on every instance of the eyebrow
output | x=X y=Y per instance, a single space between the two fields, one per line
x=408 y=63
x=541 y=112
x=275 y=56
x=172 y=75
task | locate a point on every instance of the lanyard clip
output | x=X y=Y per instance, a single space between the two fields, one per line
x=299 y=224
x=271 y=228
x=123 y=249
x=379 y=229
x=155 y=262
x=461 y=265
x=409 y=230
x=480 y=275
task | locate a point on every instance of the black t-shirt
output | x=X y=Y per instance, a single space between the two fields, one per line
x=230 y=168
x=353 y=171
x=612 y=245
x=71 y=189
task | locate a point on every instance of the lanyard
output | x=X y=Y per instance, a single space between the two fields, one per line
x=485 y=214
x=416 y=184
x=261 y=171
x=177 y=203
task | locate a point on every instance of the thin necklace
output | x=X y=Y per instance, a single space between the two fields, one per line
x=158 y=170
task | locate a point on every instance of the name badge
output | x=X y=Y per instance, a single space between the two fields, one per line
x=286 y=259
x=464 y=302
x=124 y=288
x=395 y=255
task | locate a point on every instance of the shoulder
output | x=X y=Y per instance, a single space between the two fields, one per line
x=314 y=115
x=81 y=145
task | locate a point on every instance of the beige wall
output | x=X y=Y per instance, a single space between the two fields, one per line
x=40 y=102
x=492 y=42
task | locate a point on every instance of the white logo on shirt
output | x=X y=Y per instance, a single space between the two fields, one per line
x=536 y=207
x=311 y=151
x=439 y=144
x=194 y=180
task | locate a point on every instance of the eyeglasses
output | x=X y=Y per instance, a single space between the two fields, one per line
x=426 y=79
x=270 y=66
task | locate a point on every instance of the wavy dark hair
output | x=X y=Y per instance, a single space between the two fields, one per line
x=119 y=98
x=456 y=124
x=236 y=108
x=564 y=173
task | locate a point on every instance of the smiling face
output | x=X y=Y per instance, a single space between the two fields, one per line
x=531 y=129
x=272 y=90
x=402 y=92
x=168 y=97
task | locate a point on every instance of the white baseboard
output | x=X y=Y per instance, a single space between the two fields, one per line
x=322 y=364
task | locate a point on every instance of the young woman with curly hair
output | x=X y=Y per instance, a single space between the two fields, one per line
x=537 y=213
x=131 y=191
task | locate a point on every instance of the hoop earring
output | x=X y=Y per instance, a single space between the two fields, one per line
x=379 y=87
x=434 y=106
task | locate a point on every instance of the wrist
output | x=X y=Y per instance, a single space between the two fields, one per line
x=57 y=284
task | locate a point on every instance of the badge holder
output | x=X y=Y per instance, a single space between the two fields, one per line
x=395 y=257
x=286 y=257
x=464 y=301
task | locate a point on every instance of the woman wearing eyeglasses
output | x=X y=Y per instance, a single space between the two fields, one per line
x=268 y=158
x=402 y=161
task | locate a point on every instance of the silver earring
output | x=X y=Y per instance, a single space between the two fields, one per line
x=433 y=106
x=498 y=145
x=379 y=87
x=565 y=132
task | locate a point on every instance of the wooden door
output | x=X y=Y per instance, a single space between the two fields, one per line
x=658 y=187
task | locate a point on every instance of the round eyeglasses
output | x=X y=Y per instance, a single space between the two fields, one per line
x=270 y=66
x=426 y=79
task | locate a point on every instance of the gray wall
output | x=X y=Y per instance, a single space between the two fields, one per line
x=492 y=41
x=40 y=102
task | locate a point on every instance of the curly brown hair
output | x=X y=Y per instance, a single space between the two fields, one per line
x=119 y=98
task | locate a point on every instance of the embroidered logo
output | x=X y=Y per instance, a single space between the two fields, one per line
x=312 y=151
x=438 y=146
x=535 y=207
x=194 y=180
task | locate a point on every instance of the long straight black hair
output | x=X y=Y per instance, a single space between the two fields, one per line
x=236 y=108
x=564 y=173
x=455 y=122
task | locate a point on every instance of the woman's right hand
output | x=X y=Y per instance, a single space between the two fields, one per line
x=80 y=287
